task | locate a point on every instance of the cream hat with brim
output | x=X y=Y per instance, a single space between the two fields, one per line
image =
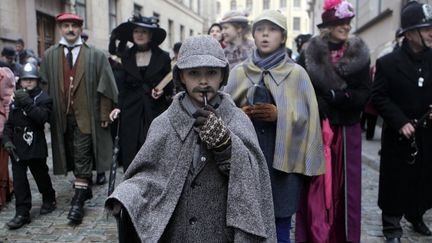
x=273 y=16
x=234 y=16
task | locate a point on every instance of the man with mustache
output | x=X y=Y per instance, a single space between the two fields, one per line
x=80 y=81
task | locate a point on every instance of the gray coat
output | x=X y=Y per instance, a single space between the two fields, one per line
x=159 y=190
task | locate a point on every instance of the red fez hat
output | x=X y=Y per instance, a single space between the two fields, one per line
x=63 y=17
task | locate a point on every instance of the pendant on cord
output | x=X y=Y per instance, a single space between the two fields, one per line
x=420 y=82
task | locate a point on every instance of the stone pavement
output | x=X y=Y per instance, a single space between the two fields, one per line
x=97 y=227
x=371 y=214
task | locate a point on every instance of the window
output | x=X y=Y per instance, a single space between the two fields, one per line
x=170 y=32
x=182 y=33
x=218 y=7
x=282 y=4
x=112 y=12
x=248 y=4
x=137 y=9
x=191 y=33
x=233 y=4
x=296 y=23
x=157 y=15
x=199 y=7
x=266 y=4
x=297 y=3
x=80 y=7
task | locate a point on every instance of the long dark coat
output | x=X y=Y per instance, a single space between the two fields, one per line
x=31 y=118
x=404 y=188
x=138 y=108
x=99 y=81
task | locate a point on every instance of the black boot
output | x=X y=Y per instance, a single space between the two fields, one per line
x=421 y=227
x=18 y=221
x=100 y=178
x=76 y=213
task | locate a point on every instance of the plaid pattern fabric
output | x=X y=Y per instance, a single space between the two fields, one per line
x=213 y=131
x=299 y=147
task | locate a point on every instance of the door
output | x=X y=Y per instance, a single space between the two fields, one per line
x=45 y=32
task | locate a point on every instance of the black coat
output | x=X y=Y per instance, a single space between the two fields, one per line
x=404 y=188
x=138 y=108
x=30 y=118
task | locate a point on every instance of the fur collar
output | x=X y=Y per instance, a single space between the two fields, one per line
x=323 y=73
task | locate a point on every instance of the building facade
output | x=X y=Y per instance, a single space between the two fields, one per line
x=34 y=20
x=294 y=10
x=376 y=22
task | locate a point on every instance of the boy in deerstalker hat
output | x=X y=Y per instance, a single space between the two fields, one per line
x=200 y=176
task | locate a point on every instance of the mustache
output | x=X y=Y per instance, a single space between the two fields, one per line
x=71 y=33
x=206 y=89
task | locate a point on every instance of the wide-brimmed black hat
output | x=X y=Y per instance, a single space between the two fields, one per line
x=124 y=30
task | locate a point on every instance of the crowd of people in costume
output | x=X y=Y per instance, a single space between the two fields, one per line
x=231 y=138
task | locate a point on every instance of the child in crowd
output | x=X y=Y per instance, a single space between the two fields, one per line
x=200 y=176
x=235 y=31
x=279 y=98
x=24 y=139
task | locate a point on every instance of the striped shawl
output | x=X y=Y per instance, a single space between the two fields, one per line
x=299 y=147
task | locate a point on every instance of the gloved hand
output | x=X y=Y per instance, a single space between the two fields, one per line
x=336 y=96
x=9 y=146
x=264 y=112
x=247 y=109
x=211 y=128
x=22 y=98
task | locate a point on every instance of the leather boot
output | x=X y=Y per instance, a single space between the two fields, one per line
x=100 y=178
x=18 y=221
x=76 y=213
x=421 y=227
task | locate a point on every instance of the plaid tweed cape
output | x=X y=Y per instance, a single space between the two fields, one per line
x=299 y=147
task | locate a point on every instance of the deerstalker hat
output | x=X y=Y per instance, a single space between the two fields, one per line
x=201 y=51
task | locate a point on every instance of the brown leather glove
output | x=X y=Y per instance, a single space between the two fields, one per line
x=247 y=109
x=264 y=112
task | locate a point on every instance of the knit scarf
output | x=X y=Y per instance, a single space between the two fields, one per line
x=260 y=92
x=270 y=61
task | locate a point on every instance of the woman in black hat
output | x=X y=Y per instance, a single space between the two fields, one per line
x=144 y=66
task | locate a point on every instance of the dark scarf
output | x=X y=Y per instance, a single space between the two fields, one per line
x=270 y=61
x=261 y=94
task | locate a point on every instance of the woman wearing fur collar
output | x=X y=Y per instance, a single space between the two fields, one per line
x=338 y=66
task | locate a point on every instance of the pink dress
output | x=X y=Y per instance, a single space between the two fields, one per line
x=7 y=85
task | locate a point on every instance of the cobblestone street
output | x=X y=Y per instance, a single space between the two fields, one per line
x=97 y=227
